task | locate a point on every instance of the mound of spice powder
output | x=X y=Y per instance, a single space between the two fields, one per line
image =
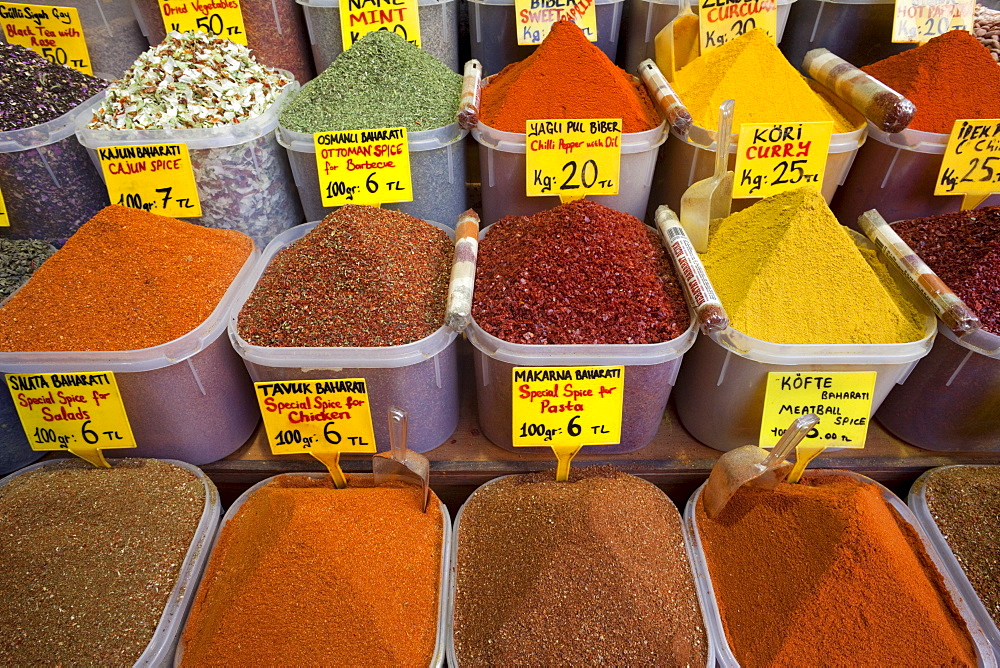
x=578 y=273
x=307 y=574
x=964 y=250
x=89 y=558
x=565 y=77
x=846 y=575
x=965 y=503
x=592 y=571
x=364 y=276
x=127 y=279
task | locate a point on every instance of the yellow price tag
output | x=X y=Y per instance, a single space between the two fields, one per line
x=720 y=21
x=841 y=399
x=79 y=412
x=364 y=16
x=156 y=177
x=775 y=157
x=54 y=33
x=363 y=166
x=573 y=158
x=222 y=18
x=971 y=162
x=921 y=20
x=535 y=18
x=4 y=218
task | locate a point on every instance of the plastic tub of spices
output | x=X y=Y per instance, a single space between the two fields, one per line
x=395 y=569
x=438 y=30
x=882 y=572
x=134 y=497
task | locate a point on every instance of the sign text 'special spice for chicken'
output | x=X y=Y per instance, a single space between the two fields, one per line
x=89 y=558
x=587 y=572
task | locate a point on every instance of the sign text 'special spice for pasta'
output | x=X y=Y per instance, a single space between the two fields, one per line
x=587 y=572
x=965 y=503
x=19 y=258
x=89 y=558
x=846 y=575
x=307 y=574
x=126 y=280
x=364 y=276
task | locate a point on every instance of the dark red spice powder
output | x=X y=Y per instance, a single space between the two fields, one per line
x=580 y=273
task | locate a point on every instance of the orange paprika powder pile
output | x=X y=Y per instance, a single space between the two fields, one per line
x=826 y=573
x=565 y=77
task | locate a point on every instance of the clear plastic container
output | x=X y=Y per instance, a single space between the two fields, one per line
x=896 y=174
x=721 y=387
x=15 y=451
x=917 y=501
x=49 y=185
x=502 y=164
x=244 y=181
x=706 y=592
x=187 y=399
x=419 y=377
x=645 y=18
x=493 y=29
x=167 y=633
x=444 y=607
x=689 y=159
x=437 y=167
x=276 y=32
x=438 y=30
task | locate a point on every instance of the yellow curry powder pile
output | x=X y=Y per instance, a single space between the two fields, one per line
x=788 y=272
x=767 y=89
x=306 y=574
x=126 y=280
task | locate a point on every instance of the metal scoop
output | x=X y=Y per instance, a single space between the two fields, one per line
x=401 y=464
x=710 y=198
x=676 y=44
x=753 y=465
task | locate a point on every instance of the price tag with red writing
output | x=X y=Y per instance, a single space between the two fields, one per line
x=922 y=20
x=157 y=177
x=4 y=217
x=78 y=412
x=54 y=33
x=363 y=166
x=775 y=157
x=360 y=17
x=573 y=158
x=222 y=18
x=841 y=399
x=720 y=21
x=567 y=408
x=534 y=18
x=971 y=162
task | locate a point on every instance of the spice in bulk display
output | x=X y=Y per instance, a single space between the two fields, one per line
x=383 y=81
x=950 y=77
x=47 y=181
x=212 y=95
x=162 y=292
x=566 y=77
x=578 y=285
x=95 y=561
x=303 y=573
x=359 y=295
x=592 y=570
x=987 y=30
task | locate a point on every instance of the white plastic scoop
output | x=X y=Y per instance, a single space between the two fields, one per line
x=710 y=198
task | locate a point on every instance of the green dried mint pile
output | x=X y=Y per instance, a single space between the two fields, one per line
x=382 y=81
x=19 y=258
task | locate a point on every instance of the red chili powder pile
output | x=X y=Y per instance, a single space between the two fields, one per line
x=127 y=279
x=826 y=573
x=950 y=77
x=565 y=77
x=308 y=575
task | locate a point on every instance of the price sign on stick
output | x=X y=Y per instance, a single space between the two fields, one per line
x=567 y=408
x=775 y=157
x=363 y=166
x=922 y=20
x=222 y=18
x=157 y=177
x=534 y=18
x=971 y=162
x=360 y=17
x=4 y=217
x=54 y=33
x=841 y=399
x=322 y=418
x=720 y=21
x=573 y=158
x=78 y=412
